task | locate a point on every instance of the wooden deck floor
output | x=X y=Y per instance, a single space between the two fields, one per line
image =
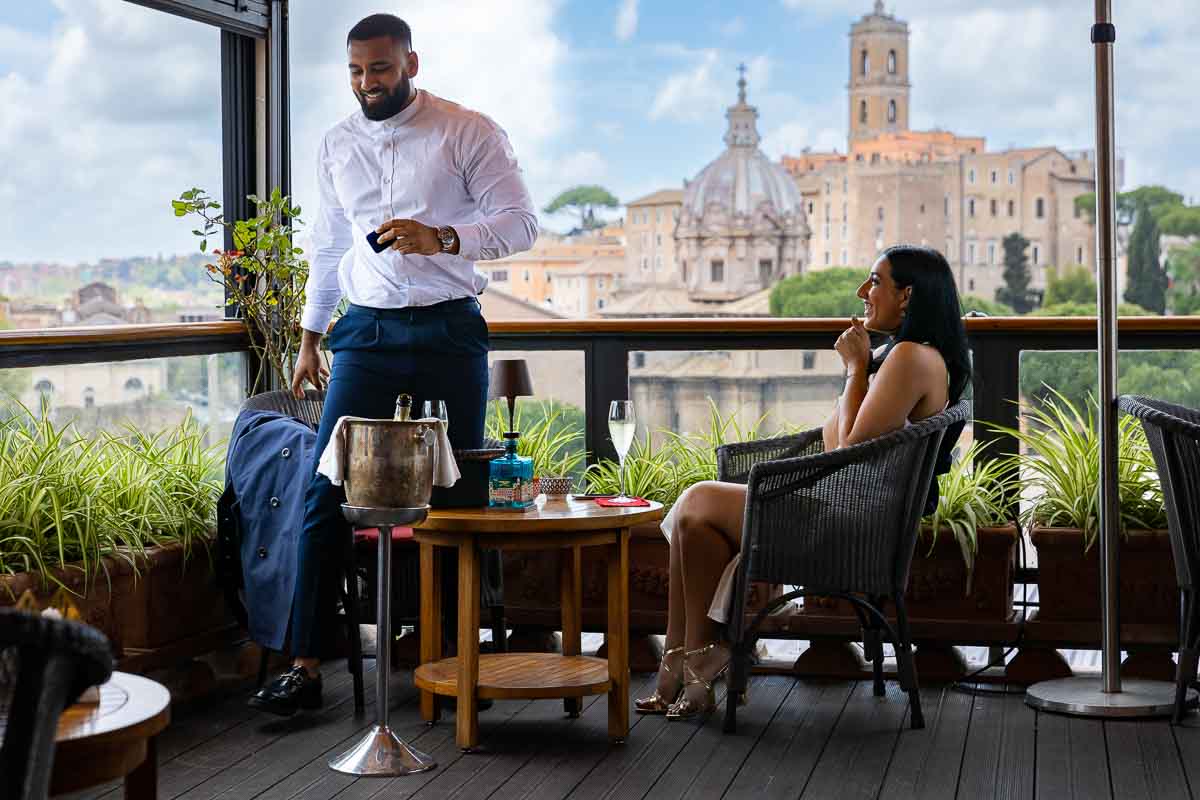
x=796 y=739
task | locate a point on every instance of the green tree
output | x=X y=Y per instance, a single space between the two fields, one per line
x=821 y=293
x=1015 y=291
x=1087 y=309
x=1183 y=267
x=1180 y=221
x=1147 y=280
x=1159 y=199
x=1170 y=375
x=1070 y=285
x=970 y=302
x=583 y=200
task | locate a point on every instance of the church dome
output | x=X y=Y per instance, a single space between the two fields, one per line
x=742 y=226
x=739 y=181
x=742 y=180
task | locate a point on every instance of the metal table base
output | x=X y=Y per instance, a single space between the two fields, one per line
x=1086 y=697
x=380 y=752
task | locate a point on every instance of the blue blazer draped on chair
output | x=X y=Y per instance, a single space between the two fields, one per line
x=261 y=512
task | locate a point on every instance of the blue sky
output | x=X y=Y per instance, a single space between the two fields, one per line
x=112 y=109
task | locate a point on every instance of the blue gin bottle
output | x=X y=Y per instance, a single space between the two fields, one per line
x=510 y=477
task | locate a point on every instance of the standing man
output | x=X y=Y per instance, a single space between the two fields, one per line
x=440 y=186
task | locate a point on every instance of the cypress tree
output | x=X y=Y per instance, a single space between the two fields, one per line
x=1015 y=291
x=1147 y=279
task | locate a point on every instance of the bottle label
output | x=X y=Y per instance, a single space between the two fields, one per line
x=510 y=491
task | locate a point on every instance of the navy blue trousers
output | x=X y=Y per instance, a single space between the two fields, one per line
x=432 y=353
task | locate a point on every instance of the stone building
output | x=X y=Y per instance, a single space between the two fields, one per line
x=742 y=225
x=650 y=239
x=741 y=228
x=934 y=187
x=531 y=275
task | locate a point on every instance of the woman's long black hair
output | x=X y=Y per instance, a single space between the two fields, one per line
x=933 y=316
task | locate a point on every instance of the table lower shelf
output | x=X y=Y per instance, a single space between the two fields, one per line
x=532 y=676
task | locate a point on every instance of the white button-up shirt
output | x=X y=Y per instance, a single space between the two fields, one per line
x=435 y=162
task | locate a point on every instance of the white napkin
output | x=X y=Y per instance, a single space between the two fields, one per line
x=445 y=469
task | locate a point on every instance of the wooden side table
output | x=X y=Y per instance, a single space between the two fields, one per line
x=113 y=739
x=564 y=525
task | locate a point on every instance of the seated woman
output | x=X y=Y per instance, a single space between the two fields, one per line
x=910 y=294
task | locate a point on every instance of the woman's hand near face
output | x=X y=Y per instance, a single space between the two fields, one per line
x=854 y=346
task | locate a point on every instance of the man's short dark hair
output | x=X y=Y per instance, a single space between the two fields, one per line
x=378 y=25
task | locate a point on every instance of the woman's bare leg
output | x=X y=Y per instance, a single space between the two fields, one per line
x=709 y=534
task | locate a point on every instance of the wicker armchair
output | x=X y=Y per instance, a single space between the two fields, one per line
x=842 y=524
x=1174 y=435
x=45 y=664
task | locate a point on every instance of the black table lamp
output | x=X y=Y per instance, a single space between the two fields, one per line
x=509 y=379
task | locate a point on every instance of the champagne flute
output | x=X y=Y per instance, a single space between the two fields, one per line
x=621 y=425
x=436 y=408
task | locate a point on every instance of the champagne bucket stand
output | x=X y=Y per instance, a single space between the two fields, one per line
x=380 y=752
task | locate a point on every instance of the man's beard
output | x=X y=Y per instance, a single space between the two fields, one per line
x=390 y=105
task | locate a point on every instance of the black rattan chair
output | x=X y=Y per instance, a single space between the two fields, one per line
x=841 y=524
x=1174 y=435
x=45 y=664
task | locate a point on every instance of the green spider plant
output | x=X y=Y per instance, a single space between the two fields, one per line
x=664 y=471
x=1062 y=464
x=67 y=500
x=549 y=435
x=972 y=495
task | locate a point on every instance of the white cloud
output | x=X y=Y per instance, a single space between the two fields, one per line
x=119 y=114
x=117 y=109
x=690 y=95
x=733 y=27
x=627 y=20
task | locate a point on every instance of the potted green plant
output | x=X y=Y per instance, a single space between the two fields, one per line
x=1060 y=469
x=117 y=519
x=963 y=564
x=263 y=276
x=551 y=435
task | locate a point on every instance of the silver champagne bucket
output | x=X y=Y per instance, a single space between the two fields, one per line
x=389 y=463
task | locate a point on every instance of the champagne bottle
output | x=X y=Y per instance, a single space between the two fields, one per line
x=403 y=407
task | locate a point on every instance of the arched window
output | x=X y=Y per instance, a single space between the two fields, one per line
x=44 y=387
x=891 y=110
x=865 y=64
x=891 y=64
x=862 y=112
x=134 y=385
x=89 y=397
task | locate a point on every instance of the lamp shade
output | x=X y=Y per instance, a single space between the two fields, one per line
x=509 y=378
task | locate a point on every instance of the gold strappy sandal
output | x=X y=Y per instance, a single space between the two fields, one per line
x=685 y=707
x=656 y=703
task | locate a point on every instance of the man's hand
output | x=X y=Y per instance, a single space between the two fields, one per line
x=409 y=237
x=308 y=365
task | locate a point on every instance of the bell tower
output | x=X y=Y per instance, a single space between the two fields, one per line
x=879 y=87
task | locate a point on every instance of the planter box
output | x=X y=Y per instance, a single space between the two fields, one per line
x=937 y=580
x=162 y=602
x=1069 y=578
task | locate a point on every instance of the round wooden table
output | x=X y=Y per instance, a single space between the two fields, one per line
x=565 y=525
x=112 y=739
